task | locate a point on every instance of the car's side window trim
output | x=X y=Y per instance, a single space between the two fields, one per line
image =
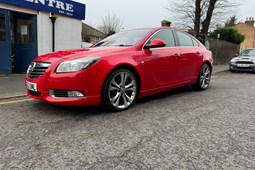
x=197 y=43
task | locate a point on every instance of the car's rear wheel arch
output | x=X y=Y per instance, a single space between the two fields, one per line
x=209 y=64
x=204 y=77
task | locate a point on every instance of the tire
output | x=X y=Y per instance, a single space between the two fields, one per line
x=230 y=69
x=120 y=90
x=204 y=78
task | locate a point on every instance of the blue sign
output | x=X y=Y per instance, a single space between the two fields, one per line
x=63 y=7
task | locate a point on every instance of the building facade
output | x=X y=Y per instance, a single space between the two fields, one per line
x=29 y=28
x=247 y=28
x=90 y=34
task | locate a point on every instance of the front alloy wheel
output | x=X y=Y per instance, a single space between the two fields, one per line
x=204 y=78
x=120 y=90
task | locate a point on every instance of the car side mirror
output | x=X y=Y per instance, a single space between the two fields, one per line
x=155 y=43
x=236 y=55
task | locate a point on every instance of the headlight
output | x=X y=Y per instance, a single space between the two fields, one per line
x=233 y=60
x=76 y=65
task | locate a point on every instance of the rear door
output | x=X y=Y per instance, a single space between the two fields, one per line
x=5 y=43
x=190 y=56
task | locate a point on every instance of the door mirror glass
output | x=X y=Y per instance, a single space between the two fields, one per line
x=155 y=43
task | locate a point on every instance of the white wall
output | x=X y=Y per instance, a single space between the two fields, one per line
x=67 y=33
x=44 y=32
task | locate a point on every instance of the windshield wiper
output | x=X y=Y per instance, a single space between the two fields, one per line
x=123 y=45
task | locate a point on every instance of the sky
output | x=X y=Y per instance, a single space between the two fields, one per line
x=143 y=13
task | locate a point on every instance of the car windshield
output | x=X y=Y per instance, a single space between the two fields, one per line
x=248 y=52
x=124 y=38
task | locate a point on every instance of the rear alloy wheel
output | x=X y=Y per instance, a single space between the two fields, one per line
x=204 y=78
x=120 y=90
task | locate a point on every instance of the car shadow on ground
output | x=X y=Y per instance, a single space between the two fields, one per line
x=47 y=108
x=167 y=94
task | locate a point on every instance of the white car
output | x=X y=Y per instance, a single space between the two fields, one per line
x=245 y=61
x=86 y=44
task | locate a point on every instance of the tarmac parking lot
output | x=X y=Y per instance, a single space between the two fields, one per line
x=180 y=129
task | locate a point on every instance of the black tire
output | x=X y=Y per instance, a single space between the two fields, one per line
x=120 y=90
x=230 y=69
x=204 y=78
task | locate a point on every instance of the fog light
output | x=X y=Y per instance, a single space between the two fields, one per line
x=65 y=94
x=74 y=94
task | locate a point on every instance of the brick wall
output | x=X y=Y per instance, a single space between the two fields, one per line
x=249 y=31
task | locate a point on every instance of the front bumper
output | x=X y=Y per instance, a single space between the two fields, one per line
x=242 y=67
x=84 y=82
x=85 y=101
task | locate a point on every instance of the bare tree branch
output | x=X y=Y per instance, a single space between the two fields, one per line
x=110 y=24
x=210 y=13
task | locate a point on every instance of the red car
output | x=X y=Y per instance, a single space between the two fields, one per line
x=121 y=68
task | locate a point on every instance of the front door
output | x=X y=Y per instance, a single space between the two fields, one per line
x=25 y=40
x=5 y=43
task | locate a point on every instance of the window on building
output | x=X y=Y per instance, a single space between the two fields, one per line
x=2 y=28
x=25 y=31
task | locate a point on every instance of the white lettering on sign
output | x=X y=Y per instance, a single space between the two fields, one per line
x=54 y=3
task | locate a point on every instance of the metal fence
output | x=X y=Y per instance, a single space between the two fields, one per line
x=223 y=51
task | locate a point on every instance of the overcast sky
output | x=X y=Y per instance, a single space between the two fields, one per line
x=142 y=13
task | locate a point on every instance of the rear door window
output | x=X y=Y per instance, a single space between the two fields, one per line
x=184 y=39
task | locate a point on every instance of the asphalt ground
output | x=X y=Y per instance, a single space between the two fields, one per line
x=179 y=129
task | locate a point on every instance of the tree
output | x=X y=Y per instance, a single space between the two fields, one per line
x=198 y=11
x=200 y=15
x=208 y=18
x=231 y=21
x=110 y=24
x=229 y=34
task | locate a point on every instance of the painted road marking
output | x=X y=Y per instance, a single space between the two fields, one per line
x=15 y=101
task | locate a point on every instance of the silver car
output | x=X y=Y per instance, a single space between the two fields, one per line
x=245 y=61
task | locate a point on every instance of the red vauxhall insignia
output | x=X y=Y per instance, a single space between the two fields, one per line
x=121 y=68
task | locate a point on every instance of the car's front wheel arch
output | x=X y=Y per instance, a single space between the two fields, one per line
x=130 y=69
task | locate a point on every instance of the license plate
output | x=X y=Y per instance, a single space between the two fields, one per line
x=31 y=86
x=243 y=65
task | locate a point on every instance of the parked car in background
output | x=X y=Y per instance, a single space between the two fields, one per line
x=245 y=61
x=86 y=44
x=121 y=68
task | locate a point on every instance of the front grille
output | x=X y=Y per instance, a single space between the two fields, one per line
x=34 y=93
x=243 y=68
x=244 y=62
x=59 y=93
x=37 y=69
